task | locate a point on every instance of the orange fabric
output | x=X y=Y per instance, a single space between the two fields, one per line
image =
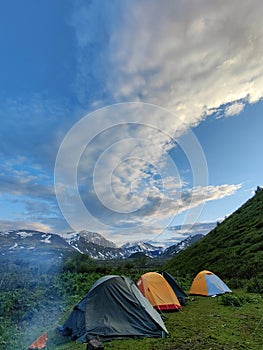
x=39 y=343
x=158 y=291
x=199 y=284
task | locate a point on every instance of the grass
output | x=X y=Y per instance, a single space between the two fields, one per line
x=205 y=323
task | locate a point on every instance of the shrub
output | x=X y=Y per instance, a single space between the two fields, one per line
x=231 y=300
x=237 y=300
x=255 y=286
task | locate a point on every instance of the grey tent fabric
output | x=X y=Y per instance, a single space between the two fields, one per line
x=181 y=295
x=114 y=308
x=75 y=324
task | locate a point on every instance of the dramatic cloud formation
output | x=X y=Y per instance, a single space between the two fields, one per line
x=163 y=69
x=190 y=57
x=114 y=171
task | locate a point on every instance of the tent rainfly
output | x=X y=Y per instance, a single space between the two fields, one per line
x=158 y=291
x=114 y=308
x=181 y=295
x=206 y=283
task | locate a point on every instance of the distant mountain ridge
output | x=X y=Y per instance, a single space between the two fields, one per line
x=35 y=243
x=25 y=242
x=143 y=247
x=185 y=243
x=73 y=238
x=233 y=249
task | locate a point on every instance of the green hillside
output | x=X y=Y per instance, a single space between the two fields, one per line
x=233 y=250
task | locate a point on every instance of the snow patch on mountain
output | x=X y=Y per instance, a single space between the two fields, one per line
x=13 y=247
x=46 y=239
x=24 y=234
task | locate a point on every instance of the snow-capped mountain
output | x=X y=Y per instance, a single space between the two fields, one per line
x=18 y=240
x=21 y=242
x=33 y=246
x=176 y=248
x=37 y=245
x=142 y=247
x=73 y=238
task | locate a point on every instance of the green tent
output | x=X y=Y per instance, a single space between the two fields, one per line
x=114 y=308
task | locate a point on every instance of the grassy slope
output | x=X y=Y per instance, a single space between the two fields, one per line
x=234 y=249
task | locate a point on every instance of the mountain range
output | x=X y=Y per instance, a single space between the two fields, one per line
x=37 y=245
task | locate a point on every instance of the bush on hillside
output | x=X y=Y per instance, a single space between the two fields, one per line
x=255 y=286
x=237 y=300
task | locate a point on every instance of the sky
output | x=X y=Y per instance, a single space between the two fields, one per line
x=129 y=117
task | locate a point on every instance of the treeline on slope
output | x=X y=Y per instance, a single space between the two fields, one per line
x=233 y=250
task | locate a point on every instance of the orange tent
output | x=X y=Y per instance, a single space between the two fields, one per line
x=39 y=343
x=158 y=291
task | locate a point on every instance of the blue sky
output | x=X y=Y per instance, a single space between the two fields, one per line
x=128 y=117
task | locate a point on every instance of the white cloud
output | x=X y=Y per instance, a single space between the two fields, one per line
x=187 y=57
x=149 y=225
x=234 y=109
x=6 y=225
